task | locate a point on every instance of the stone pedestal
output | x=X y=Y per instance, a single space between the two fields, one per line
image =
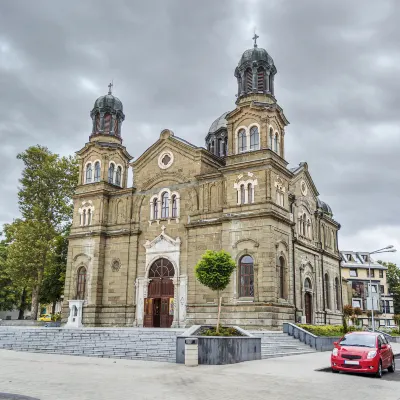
x=75 y=314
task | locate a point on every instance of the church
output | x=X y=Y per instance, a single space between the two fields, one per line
x=133 y=246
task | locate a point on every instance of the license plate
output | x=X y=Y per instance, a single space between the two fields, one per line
x=349 y=362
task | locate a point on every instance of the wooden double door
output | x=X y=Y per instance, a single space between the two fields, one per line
x=159 y=305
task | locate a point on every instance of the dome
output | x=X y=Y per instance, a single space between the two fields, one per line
x=109 y=101
x=324 y=207
x=255 y=54
x=219 y=123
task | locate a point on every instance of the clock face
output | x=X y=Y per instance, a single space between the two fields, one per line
x=304 y=188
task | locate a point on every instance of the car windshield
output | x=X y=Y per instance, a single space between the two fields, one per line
x=359 y=340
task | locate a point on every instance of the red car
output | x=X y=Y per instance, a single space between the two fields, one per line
x=363 y=352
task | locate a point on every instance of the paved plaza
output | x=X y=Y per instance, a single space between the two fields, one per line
x=57 y=377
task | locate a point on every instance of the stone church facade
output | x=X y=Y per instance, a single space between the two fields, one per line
x=133 y=248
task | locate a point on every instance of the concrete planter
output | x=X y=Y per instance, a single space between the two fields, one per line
x=218 y=350
x=320 y=343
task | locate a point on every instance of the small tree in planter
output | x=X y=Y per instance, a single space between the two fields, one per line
x=348 y=311
x=214 y=270
x=357 y=312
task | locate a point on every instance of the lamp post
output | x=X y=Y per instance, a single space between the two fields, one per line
x=387 y=249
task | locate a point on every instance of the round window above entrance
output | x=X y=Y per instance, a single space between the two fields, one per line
x=161 y=268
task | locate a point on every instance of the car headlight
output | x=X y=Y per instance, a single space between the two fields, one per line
x=371 y=354
x=335 y=352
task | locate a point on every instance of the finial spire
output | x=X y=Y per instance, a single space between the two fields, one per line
x=110 y=88
x=255 y=37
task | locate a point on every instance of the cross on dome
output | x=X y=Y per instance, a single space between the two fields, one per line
x=255 y=37
x=110 y=88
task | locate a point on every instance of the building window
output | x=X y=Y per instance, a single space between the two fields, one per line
x=89 y=173
x=372 y=273
x=174 y=207
x=356 y=303
x=81 y=284
x=261 y=79
x=280 y=198
x=254 y=138
x=381 y=273
x=353 y=273
x=155 y=208
x=111 y=170
x=276 y=143
x=98 y=122
x=118 y=176
x=226 y=146
x=337 y=293
x=246 y=276
x=242 y=141
x=327 y=292
x=271 y=138
x=84 y=218
x=250 y=193
x=165 y=205
x=242 y=194
x=212 y=146
x=382 y=289
x=107 y=123
x=307 y=284
x=282 y=278
x=89 y=217
x=116 y=127
x=97 y=171
x=249 y=80
x=304 y=225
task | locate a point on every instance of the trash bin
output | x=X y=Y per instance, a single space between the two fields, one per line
x=191 y=352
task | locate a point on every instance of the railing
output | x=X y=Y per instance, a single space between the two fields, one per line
x=319 y=343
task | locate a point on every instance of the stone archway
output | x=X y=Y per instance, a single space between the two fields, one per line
x=159 y=304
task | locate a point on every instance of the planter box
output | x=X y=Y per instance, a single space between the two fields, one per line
x=218 y=350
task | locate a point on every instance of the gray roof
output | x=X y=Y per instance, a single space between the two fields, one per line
x=219 y=123
x=324 y=207
x=359 y=259
x=256 y=54
x=110 y=101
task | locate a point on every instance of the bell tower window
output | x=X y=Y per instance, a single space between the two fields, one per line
x=261 y=80
x=249 y=80
x=111 y=170
x=89 y=173
x=107 y=123
x=254 y=138
x=97 y=172
x=118 y=176
x=242 y=141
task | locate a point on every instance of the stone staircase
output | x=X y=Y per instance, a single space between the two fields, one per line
x=279 y=344
x=127 y=343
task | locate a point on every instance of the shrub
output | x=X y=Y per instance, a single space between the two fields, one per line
x=348 y=310
x=328 y=330
x=357 y=311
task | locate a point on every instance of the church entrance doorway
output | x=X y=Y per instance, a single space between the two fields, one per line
x=308 y=307
x=159 y=304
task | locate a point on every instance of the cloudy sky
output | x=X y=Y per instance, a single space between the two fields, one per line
x=172 y=62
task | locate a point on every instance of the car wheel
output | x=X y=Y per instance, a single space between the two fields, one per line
x=335 y=371
x=392 y=368
x=379 y=372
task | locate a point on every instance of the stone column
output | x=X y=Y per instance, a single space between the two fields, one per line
x=141 y=294
x=182 y=300
x=175 y=321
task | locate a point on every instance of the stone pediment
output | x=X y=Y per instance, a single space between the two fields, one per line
x=163 y=243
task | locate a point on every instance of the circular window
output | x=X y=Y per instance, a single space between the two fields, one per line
x=303 y=188
x=165 y=160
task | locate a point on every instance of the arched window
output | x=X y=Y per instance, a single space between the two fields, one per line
x=304 y=223
x=155 y=208
x=307 y=284
x=89 y=217
x=116 y=127
x=98 y=122
x=337 y=293
x=107 y=123
x=327 y=293
x=309 y=229
x=242 y=194
x=84 y=218
x=261 y=79
x=242 y=141
x=89 y=173
x=111 y=173
x=165 y=205
x=97 y=171
x=246 y=277
x=276 y=143
x=254 y=138
x=249 y=80
x=226 y=146
x=81 y=284
x=118 y=176
x=209 y=146
x=250 y=193
x=174 y=206
x=282 y=278
x=162 y=268
x=212 y=146
x=271 y=138
x=280 y=198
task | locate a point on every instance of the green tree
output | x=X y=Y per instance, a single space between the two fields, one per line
x=54 y=276
x=8 y=293
x=393 y=281
x=47 y=185
x=214 y=270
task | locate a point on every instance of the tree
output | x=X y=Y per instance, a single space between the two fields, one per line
x=54 y=275
x=47 y=185
x=214 y=270
x=9 y=294
x=393 y=281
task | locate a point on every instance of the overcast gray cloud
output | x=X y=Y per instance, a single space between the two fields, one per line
x=172 y=63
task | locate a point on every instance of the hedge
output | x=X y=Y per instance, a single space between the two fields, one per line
x=327 y=330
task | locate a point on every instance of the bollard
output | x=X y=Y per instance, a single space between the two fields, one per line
x=191 y=352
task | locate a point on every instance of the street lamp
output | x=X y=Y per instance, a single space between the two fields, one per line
x=387 y=249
